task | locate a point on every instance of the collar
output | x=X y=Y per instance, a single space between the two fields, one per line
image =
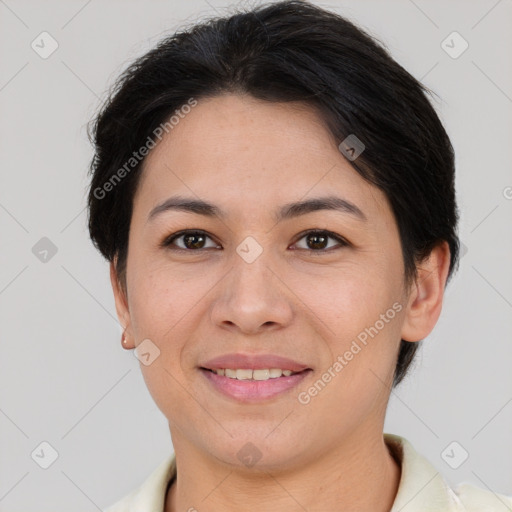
x=421 y=487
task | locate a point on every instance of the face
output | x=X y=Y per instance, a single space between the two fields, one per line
x=317 y=286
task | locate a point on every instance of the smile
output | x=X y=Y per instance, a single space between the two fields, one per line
x=256 y=374
x=250 y=386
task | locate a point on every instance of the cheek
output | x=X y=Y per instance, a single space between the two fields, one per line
x=357 y=312
x=162 y=310
x=362 y=315
x=348 y=298
x=159 y=297
x=167 y=306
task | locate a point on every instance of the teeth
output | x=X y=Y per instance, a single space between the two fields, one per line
x=261 y=374
x=243 y=374
x=247 y=374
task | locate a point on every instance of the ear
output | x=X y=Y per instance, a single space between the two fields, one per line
x=122 y=310
x=426 y=294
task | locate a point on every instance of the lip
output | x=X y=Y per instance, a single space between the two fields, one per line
x=253 y=361
x=253 y=391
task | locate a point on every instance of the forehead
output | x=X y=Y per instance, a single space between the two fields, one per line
x=251 y=153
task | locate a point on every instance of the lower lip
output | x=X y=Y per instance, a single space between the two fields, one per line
x=254 y=390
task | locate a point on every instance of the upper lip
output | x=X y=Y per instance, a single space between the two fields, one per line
x=253 y=361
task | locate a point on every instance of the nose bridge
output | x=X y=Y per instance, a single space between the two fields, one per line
x=252 y=278
x=252 y=295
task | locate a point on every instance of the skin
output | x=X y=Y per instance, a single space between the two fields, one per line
x=250 y=157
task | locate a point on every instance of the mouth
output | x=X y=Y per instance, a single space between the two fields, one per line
x=259 y=374
x=251 y=378
x=251 y=385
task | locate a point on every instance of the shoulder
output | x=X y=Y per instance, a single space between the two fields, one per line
x=423 y=489
x=150 y=495
x=476 y=499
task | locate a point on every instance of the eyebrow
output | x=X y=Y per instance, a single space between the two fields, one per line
x=287 y=211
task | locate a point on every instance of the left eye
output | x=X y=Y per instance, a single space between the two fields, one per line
x=317 y=240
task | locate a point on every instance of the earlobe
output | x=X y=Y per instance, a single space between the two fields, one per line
x=122 y=310
x=125 y=342
x=426 y=294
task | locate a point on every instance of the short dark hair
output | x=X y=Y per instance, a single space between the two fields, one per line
x=280 y=52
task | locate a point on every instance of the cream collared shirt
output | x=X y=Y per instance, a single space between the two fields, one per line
x=421 y=488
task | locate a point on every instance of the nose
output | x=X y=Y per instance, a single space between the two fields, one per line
x=252 y=298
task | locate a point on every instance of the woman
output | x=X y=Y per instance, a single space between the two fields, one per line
x=275 y=195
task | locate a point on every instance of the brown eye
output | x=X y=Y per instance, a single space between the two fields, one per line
x=190 y=240
x=318 y=240
x=194 y=241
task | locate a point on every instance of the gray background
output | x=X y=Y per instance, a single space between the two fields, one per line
x=64 y=377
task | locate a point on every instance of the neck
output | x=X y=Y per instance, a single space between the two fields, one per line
x=353 y=477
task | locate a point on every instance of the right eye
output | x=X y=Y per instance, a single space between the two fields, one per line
x=192 y=240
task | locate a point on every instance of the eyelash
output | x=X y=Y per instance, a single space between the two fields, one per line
x=168 y=241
